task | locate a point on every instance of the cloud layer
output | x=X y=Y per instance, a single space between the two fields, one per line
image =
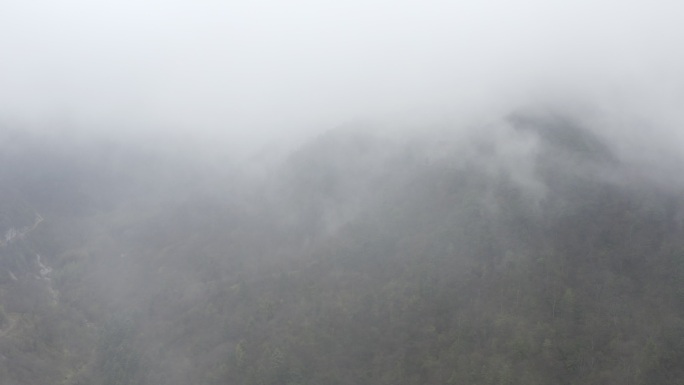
x=252 y=72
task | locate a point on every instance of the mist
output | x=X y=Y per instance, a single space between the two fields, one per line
x=394 y=193
x=244 y=75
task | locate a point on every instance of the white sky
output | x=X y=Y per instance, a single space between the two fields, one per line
x=252 y=72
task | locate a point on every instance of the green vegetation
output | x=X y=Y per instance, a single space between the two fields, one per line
x=3 y=317
x=360 y=261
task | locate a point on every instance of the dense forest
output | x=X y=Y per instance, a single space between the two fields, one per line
x=527 y=251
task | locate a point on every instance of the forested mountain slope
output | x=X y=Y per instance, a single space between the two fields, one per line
x=527 y=253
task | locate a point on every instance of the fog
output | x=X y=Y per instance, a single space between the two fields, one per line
x=249 y=74
x=381 y=192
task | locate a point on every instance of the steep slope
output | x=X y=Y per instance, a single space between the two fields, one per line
x=529 y=252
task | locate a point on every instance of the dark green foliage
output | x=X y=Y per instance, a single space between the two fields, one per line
x=359 y=261
x=118 y=362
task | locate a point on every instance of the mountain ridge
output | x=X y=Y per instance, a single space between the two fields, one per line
x=521 y=256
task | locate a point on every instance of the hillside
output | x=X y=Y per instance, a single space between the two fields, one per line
x=529 y=252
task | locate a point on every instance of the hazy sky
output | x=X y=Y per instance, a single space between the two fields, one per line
x=256 y=71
